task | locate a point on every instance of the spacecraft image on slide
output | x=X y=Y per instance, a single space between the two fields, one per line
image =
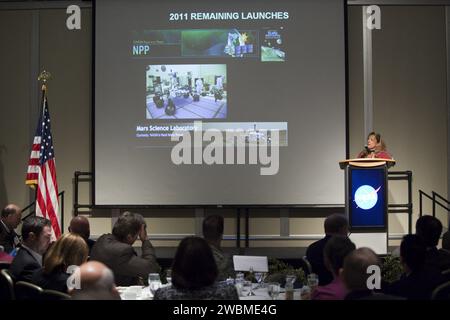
x=196 y=91
x=227 y=43
x=272 y=46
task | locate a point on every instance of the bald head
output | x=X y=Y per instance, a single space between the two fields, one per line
x=97 y=283
x=356 y=263
x=80 y=226
x=95 y=275
x=11 y=216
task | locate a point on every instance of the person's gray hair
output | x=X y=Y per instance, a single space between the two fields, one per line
x=106 y=281
x=354 y=273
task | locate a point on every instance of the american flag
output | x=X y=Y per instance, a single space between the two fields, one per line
x=42 y=171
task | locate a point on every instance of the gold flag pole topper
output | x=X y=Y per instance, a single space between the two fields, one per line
x=44 y=76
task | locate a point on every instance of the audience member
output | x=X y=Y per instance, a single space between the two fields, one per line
x=446 y=242
x=116 y=251
x=335 y=224
x=355 y=275
x=80 y=225
x=194 y=275
x=10 y=219
x=36 y=235
x=429 y=229
x=213 y=234
x=96 y=283
x=417 y=282
x=444 y=252
x=335 y=251
x=68 y=250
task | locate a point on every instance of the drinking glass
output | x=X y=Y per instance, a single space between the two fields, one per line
x=305 y=293
x=154 y=282
x=313 y=281
x=273 y=289
x=251 y=293
x=260 y=277
x=169 y=276
x=239 y=283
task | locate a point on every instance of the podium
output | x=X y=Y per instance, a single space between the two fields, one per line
x=366 y=201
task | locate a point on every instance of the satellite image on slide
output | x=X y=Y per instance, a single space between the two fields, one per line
x=272 y=46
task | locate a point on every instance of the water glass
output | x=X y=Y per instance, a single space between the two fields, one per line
x=169 y=276
x=273 y=289
x=313 y=281
x=154 y=282
x=239 y=283
x=289 y=287
x=305 y=293
x=260 y=277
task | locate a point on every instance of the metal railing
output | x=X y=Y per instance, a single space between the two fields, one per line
x=32 y=209
x=406 y=207
x=434 y=196
x=78 y=177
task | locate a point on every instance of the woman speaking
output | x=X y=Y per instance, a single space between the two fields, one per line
x=376 y=148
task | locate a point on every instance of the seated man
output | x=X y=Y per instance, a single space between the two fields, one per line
x=429 y=229
x=96 y=283
x=417 y=282
x=36 y=235
x=116 y=251
x=213 y=233
x=335 y=224
x=10 y=219
x=80 y=225
x=336 y=249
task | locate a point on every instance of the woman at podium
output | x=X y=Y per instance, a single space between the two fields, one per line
x=376 y=148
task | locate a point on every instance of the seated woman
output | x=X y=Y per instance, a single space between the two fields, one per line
x=376 y=148
x=194 y=274
x=70 y=249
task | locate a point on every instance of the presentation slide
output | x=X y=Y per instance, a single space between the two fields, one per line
x=219 y=102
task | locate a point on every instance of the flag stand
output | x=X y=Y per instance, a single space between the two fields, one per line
x=41 y=171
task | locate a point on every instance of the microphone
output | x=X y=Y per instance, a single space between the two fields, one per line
x=368 y=150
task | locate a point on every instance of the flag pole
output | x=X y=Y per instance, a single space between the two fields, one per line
x=43 y=77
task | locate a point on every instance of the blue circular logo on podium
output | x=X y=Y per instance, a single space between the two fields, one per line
x=366 y=197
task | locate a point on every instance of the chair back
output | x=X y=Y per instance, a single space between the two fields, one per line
x=6 y=286
x=27 y=291
x=442 y=292
x=54 y=295
x=446 y=274
x=306 y=265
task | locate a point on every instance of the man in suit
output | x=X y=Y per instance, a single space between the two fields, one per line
x=36 y=235
x=213 y=234
x=429 y=229
x=334 y=225
x=10 y=219
x=116 y=251
x=80 y=225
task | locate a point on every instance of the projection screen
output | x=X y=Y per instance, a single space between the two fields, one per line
x=219 y=102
